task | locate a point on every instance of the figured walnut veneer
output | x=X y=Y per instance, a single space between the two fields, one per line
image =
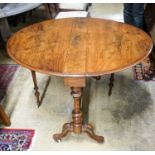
x=79 y=47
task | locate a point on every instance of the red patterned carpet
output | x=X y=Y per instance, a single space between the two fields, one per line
x=141 y=71
x=138 y=72
x=15 y=139
x=6 y=74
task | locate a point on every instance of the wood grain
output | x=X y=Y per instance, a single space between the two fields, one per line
x=79 y=47
x=75 y=82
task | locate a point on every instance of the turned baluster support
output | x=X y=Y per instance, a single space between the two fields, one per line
x=77 y=125
x=77 y=114
x=37 y=94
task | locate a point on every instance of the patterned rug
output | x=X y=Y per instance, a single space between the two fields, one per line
x=15 y=139
x=7 y=72
x=141 y=71
x=138 y=72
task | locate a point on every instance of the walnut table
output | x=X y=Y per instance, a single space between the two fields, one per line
x=77 y=48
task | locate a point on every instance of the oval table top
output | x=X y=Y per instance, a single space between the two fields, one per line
x=79 y=47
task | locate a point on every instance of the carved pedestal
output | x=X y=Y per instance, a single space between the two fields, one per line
x=77 y=126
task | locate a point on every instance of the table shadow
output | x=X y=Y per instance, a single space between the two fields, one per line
x=129 y=97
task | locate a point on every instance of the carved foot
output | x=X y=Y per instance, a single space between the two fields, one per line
x=68 y=127
x=89 y=130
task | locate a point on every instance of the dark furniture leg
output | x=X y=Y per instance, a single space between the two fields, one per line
x=77 y=126
x=37 y=94
x=51 y=10
x=2 y=42
x=111 y=84
x=3 y=116
x=5 y=32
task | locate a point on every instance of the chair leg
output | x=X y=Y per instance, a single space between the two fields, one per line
x=111 y=84
x=50 y=10
x=3 y=116
x=4 y=29
x=2 y=43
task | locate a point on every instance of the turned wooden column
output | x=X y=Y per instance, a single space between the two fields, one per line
x=37 y=94
x=77 y=114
